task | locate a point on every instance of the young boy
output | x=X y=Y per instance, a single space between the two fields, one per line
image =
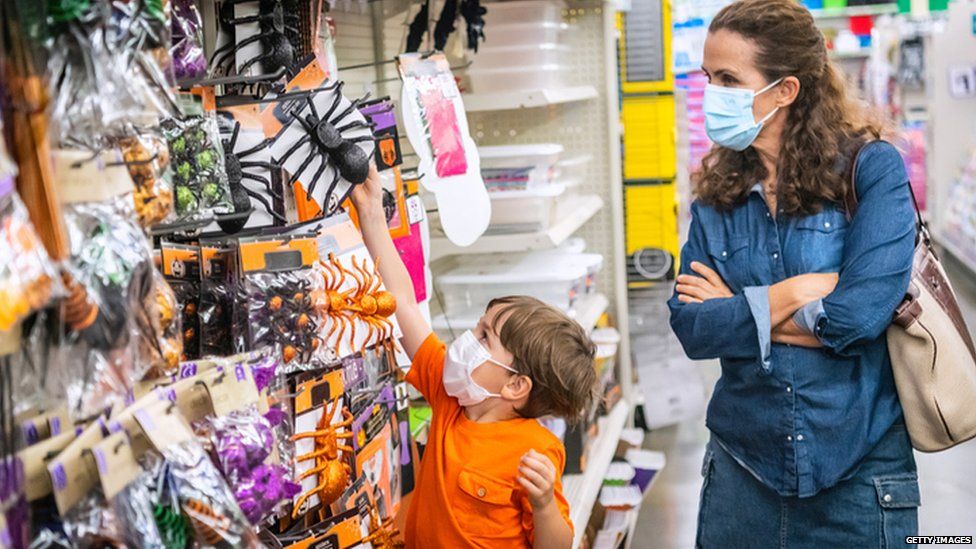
x=490 y=473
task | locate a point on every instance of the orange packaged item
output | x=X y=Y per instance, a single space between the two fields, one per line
x=468 y=471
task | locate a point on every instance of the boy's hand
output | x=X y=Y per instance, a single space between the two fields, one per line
x=537 y=475
x=368 y=196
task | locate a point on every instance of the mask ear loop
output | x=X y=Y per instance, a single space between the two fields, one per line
x=766 y=118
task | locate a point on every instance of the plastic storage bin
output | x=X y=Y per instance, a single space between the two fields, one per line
x=523 y=211
x=521 y=34
x=526 y=55
x=515 y=78
x=518 y=167
x=557 y=280
x=521 y=11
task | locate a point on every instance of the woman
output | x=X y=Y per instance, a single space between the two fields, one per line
x=794 y=294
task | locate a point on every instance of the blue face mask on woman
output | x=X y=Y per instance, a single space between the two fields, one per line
x=728 y=116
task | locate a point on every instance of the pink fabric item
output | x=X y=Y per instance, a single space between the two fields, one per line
x=445 y=137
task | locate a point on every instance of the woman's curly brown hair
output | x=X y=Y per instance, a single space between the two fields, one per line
x=822 y=124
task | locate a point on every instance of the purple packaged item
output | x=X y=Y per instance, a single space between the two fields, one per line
x=189 y=61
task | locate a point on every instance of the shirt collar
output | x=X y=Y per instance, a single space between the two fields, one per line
x=757 y=188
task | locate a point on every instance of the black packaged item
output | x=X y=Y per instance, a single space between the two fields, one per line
x=181 y=267
x=218 y=287
x=282 y=301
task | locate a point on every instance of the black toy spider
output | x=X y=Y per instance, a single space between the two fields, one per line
x=279 y=35
x=236 y=173
x=324 y=135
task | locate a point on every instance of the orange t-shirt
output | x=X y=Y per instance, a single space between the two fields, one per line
x=466 y=493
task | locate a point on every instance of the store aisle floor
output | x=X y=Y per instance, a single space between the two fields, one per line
x=669 y=515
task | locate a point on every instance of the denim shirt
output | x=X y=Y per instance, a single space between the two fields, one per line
x=801 y=419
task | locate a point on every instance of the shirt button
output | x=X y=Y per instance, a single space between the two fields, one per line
x=769 y=214
x=482 y=492
x=827 y=225
x=724 y=254
x=789 y=438
x=789 y=388
x=799 y=438
x=887 y=498
x=775 y=255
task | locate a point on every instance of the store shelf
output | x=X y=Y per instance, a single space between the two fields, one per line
x=589 y=310
x=853 y=11
x=862 y=53
x=579 y=210
x=582 y=490
x=525 y=99
x=957 y=251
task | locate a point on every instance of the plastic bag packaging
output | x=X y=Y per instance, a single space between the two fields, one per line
x=243 y=445
x=133 y=506
x=181 y=268
x=91 y=523
x=281 y=313
x=101 y=86
x=111 y=260
x=218 y=290
x=442 y=127
x=147 y=158
x=161 y=329
x=14 y=502
x=197 y=164
x=205 y=499
x=189 y=60
x=173 y=527
x=28 y=278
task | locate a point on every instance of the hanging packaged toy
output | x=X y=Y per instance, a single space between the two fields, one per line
x=147 y=158
x=243 y=444
x=322 y=140
x=197 y=162
x=437 y=128
x=111 y=260
x=280 y=286
x=27 y=276
x=218 y=297
x=162 y=341
x=181 y=268
x=189 y=61
x=255 y=180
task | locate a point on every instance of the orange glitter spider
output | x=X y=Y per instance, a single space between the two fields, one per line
x=332 y=301
x=382 y=533
x=372 y=305
x=332 y=472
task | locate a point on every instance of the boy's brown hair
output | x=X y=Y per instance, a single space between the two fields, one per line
x=553 y=350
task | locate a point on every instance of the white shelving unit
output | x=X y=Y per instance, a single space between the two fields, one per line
x=582 y=490
x=475 y=102
x=854 y=11
x=957 y=251
x=862 y=53
x=578 y=211
x=589 y=309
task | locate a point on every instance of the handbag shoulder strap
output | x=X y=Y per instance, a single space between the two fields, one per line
x=851 y=201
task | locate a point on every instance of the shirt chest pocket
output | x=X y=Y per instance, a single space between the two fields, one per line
x=487 y=506
x=730 y=256
x=820 y=242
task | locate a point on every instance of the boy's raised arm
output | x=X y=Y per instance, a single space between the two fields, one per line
x=368 y=199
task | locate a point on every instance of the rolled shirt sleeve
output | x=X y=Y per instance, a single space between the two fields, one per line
x=758 y=299
x=809 y=316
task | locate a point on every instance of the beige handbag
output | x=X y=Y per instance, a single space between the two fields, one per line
x=932 y=353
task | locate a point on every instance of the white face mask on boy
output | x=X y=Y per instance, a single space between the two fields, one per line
x=463 y=356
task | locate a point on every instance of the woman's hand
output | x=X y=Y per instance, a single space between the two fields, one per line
x=694 y=289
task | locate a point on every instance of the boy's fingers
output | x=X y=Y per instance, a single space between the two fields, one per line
x=529 y=487
x=688 y=299
x=534 y=476
x=536 y=464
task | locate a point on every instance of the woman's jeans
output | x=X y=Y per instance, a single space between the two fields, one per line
x=877 y=507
